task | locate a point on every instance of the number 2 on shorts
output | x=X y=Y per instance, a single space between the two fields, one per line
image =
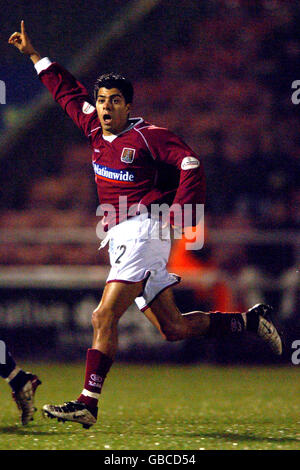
x=122 y=248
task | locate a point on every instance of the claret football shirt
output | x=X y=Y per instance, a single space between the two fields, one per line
x=144 y=164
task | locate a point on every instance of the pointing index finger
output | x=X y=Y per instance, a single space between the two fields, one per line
x=22 y=27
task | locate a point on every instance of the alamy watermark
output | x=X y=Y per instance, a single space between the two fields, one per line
x=2 y=352
x=187 y=221
x=2 y=92
x=296 y=94
x=296 y=354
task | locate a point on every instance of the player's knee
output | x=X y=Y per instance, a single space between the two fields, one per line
x=102 y=317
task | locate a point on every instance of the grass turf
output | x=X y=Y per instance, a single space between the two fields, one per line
x=161 y=407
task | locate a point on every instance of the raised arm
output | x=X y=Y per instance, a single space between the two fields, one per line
x=22 y=42
x=68 y=92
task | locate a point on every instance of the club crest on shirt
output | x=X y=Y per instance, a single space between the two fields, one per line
x=127 y=155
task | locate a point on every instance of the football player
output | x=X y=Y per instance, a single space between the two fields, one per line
x=137 y=166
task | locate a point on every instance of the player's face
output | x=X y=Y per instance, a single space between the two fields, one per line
x=112 y=110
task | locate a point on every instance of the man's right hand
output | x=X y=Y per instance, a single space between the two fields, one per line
x=22 y=42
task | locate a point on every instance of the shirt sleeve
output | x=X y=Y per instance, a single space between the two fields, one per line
x=69 y=93
x=168 y=148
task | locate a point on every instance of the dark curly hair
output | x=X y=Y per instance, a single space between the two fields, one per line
x=114 y=80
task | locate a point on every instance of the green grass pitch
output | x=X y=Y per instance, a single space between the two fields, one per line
x=162 y=407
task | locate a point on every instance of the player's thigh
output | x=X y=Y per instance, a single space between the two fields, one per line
x=163 y=312
x=118 y=296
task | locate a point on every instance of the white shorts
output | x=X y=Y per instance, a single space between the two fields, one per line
x=138 y=254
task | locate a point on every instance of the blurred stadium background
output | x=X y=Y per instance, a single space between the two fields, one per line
x=217 y=72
